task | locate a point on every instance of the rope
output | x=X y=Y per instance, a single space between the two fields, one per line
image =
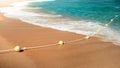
x=5 y=51
x=34 y=47
x=71 y=41
x=20 y=49
x=106 y=25
x=111 y=20
x=56 y=44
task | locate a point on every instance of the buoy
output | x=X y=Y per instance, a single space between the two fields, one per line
x=106 y=25
x=18 y=49
x=87 y=37
x=111 y=20
x=116 y=15
x=99 y=29
x=61 y=42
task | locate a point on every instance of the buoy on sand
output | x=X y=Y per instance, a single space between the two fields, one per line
x=61 y=42
x=18 y=49
x=87 y=37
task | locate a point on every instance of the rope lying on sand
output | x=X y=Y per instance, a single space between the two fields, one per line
x=60 y=43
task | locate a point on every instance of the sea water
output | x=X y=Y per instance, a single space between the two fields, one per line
x=78 y=16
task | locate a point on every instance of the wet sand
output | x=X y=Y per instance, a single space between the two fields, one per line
x=91 y=53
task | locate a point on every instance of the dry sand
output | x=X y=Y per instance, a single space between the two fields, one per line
x=91 y=53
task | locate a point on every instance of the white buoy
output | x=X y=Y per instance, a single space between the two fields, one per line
x=87 y=37
x=61 y=42
x=18 y=49
x=116 y=15
x=99 y=29
x=111 y=20
x=106 y=25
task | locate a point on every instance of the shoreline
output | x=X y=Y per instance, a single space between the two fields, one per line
x=91 y=53
x=64 y=23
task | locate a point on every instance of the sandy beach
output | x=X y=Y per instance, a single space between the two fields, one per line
x=91 y=53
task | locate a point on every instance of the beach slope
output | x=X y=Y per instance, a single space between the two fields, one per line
x=91 y=53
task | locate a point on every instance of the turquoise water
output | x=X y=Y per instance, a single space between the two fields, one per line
x=100 y=11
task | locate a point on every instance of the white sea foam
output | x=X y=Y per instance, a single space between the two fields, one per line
x=57 y=22
x=21 y=4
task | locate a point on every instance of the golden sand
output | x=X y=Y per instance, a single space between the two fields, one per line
x=90 y=53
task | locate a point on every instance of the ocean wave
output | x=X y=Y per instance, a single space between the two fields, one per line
x=58 y=22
